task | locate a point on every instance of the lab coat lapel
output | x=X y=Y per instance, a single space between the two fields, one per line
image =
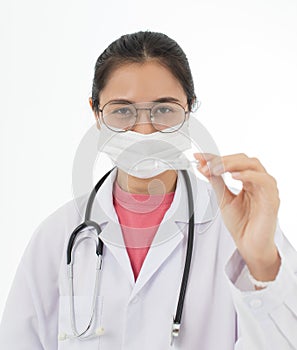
x=170 y=233
x=158 y=254
x=117 y=248
x=104 y=213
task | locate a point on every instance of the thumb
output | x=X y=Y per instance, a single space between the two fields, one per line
x=205 y=167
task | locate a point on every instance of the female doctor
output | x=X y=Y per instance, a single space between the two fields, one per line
x=242 y=284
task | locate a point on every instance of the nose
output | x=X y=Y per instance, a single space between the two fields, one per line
x=143 y=123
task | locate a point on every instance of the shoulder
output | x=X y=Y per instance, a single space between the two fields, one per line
x=48 y=239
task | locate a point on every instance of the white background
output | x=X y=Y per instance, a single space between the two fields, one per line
x=243 y=56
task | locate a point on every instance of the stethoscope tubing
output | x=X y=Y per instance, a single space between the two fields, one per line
x=190 y=243
x=99 y=251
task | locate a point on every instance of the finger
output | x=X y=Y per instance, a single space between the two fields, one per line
x=204 y=162
x=259 y=185
x=256 y=178
x=223 y=194
x=204 y=157
x=237 y=162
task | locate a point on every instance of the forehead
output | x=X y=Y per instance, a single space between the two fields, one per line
x=142 y=82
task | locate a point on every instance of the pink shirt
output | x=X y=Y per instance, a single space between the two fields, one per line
x=140 y=216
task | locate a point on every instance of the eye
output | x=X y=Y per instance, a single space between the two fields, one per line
x=124 y=111
x=163 y=110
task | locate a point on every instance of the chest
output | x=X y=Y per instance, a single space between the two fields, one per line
x=135 y=314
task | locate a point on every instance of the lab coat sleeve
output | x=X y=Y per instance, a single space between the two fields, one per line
x=30 y=317
x=267 y=318
x=19 y=327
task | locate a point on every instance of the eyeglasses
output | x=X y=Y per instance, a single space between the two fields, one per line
x=164 y=116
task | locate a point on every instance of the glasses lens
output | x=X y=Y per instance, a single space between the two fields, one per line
x=119 y=116
x=167 y=117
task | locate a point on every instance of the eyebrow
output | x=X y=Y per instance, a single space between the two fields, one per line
x=162 y=99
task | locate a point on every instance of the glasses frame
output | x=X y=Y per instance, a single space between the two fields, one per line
x=143 y=108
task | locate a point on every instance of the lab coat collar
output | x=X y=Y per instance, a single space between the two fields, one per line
x=169 y=234
x=205 y=206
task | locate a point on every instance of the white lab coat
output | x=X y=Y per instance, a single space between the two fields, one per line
x=222 y=310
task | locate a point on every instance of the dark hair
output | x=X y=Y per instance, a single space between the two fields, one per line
x=138 y=48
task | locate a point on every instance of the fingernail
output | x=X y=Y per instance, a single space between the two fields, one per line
x=196 y=155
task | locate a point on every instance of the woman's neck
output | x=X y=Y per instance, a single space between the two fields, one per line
x=160 y=184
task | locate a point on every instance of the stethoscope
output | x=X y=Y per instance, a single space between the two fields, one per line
x=83 y=335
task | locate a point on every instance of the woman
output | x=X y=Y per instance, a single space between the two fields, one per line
x=242 y=281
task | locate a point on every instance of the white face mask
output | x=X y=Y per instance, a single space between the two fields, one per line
x=146 y=155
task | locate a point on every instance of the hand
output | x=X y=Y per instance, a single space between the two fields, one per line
x=251 y=215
